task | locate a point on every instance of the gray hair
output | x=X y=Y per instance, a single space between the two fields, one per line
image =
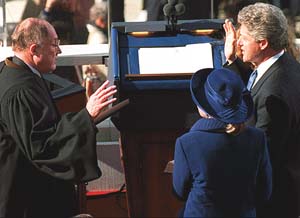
x=99 y=10
x=29 y=31
x=265 y=21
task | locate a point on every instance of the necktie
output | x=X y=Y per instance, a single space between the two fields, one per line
x=251 y=80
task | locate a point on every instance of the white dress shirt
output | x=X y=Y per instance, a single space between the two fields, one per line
x=263 y=67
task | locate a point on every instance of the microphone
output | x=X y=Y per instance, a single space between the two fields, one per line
x=180 y=9
x=168 y=10
x=172 y=10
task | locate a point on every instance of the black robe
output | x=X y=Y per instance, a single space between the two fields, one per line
x=42 y=154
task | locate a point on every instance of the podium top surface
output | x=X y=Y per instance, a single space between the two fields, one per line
x=156 y=56
x=163 y=26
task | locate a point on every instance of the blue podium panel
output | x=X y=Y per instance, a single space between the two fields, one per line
x=129 y=39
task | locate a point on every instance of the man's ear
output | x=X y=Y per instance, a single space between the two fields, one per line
x=33 y=49
x=263 y=44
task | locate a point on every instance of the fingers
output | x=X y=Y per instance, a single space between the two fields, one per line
x=106 y=95
x=97 y=106
x=231 y=27
x=100 y=99
x=108 y=102
x=230 y=41
x=102 y=87
x=225 y=26
x=228 y=26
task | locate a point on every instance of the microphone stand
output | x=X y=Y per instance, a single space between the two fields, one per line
x=173 y=20
x=212 y=9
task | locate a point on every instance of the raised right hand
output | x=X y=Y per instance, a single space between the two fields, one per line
x=230 y=46
x=100 y=99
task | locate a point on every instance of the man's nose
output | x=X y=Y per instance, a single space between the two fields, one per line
x=58 y=50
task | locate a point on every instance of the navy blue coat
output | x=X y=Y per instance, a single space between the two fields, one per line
x=217 y=173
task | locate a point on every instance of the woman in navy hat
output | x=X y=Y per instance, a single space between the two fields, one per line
x=221 y=166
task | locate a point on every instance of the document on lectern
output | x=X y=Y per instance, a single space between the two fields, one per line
x=183 y=59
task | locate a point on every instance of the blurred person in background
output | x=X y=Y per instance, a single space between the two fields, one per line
x=80 y=10
x=81 y=18
x=97 y=25
x=95 y=74
x=60 y=15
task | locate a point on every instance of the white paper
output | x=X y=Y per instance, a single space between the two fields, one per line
x=185 y=59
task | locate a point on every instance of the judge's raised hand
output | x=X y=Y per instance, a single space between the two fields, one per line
x=100 y=99
x=230 y=46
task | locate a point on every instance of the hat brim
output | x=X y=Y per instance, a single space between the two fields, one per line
x=240 y=115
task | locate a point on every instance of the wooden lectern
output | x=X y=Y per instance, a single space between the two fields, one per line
x=160 y=107
x=68 y=96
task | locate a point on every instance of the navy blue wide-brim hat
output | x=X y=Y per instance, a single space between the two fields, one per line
x=222 y=94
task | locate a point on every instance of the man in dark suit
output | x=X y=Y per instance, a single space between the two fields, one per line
x=263 y=39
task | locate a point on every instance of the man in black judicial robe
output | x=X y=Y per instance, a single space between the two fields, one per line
x=42 y=154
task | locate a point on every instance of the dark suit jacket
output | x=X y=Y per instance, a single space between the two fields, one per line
x=217 y=173
x=277 y=102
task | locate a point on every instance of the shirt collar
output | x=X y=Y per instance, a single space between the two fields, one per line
x=21 y=62
x=263 y=67
x=34 y=70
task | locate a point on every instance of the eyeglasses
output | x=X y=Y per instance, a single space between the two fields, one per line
x=56 y=43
